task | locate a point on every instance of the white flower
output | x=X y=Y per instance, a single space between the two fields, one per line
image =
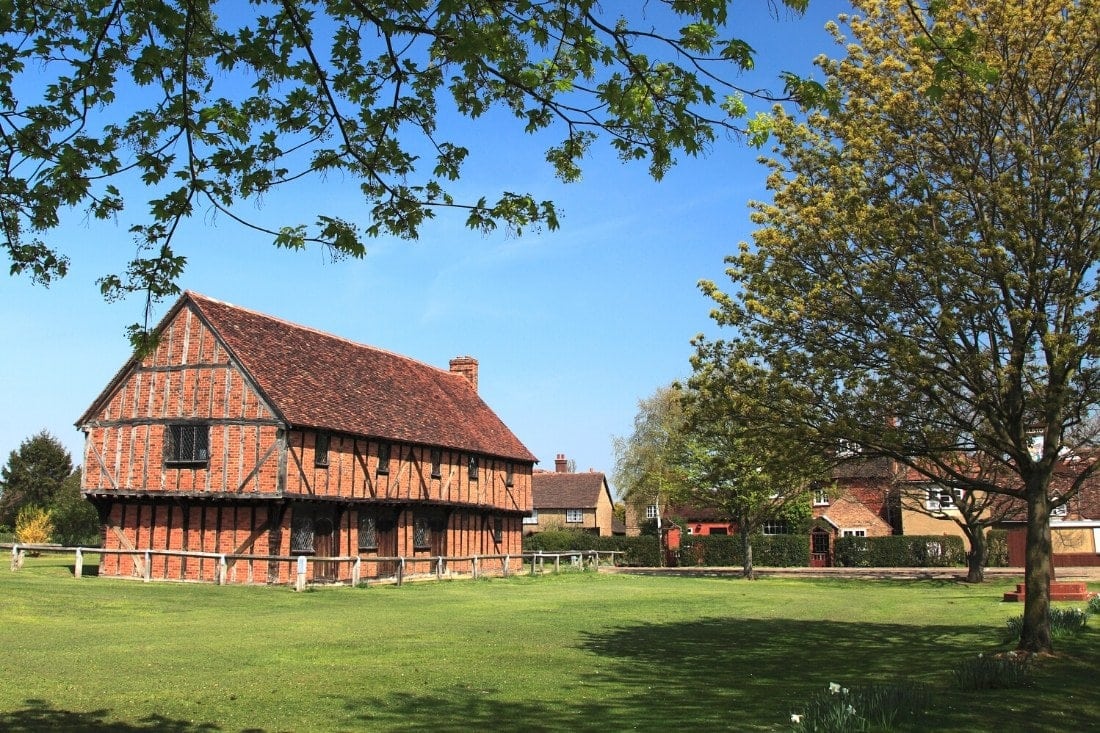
x=834 y=688
x=844 y=690
x=851 y=710
x=795 y=718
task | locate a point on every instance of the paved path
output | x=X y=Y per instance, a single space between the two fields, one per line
x=1090 y=574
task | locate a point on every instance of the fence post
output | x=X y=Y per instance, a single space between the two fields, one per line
x=148 y=574
x=506 y=558
x=439 y=568
x=300 y=580
x=400 y=570
x=557 y=564
x=17 y=556
x=222 y=570
x=78 y=566
x=475 y=567
x=355 y=572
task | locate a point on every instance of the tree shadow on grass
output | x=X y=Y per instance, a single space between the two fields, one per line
x=39 y=715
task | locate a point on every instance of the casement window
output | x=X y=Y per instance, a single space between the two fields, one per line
x=473 y=465
x=383 y=459
x=320 y=450
x=853 y=533
x=422 y=533
x=821 y=497
x=941 y=497
x=368 y=532
x=498 y=529
x=847 y=449
x=301 y=536
x=509 y=474
x=651 y=511
x=775 y=526
x=187 y=444
x=574 y=515
x=437 y=462
x=533 y=519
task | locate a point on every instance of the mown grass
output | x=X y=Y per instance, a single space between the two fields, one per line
x=576 y=652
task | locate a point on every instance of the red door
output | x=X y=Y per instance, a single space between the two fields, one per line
x=820 y=557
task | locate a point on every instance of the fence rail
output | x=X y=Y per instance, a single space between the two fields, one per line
x=398 y=568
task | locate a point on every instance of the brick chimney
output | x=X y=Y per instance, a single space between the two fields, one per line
x=467 y=367
x=560 y=464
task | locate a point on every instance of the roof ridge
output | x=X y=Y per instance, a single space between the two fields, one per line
x=196 y=296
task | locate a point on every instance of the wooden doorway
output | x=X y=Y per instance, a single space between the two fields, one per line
x=324 y=545
x=820 y=554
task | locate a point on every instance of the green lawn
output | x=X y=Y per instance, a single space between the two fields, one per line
x=575 y=652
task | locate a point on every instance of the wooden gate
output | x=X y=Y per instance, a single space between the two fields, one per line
x=820 y=555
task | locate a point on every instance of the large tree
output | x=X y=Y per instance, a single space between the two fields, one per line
x=34 y=475
x=203 y=106
x=924 y=279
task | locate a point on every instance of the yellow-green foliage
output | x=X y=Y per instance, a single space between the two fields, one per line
x=33 y=526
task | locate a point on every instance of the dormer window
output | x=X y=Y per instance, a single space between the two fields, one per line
x=320 y=452
x=383 y=459
x=187 y=444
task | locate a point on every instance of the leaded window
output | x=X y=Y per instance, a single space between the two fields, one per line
x=368 y=532
x=383 y=458
x=437 y=462
x=320 y=452
x=509 y=474
x=187 y=444
x=301 y=535
x=651 y=511
x=422 y=533
x=498 y=529
x=473 y=465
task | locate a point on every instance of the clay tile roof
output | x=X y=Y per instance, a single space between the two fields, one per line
x=314 y=379
x=566 y=490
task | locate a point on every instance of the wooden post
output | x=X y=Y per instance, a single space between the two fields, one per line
x=557 y=564
x=475 y=567
x=355 y=572
x=400 y=570
x=300 y=580
x=221 y=571
x=148 y=574
x=17 y=556
x=439 y=568
x=505 y=570
x=78 y=565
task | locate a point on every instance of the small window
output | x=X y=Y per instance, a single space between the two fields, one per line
x=651 y=511
x=533 y=519
x=368 y=532
x=574 y=515
x=473 y=468
x=941 y=497
x=509 y=474
x=383 y=458
x=1059 y=511
x=188 y=444
x=422 y=533
x=776 y=526
x=437 y=462
x=320 y=452
x=821 y=497
x=498 y=529
x=853 y=533
x=301 y=536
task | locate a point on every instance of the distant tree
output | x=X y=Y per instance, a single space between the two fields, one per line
x=75 y=520
x=740 y=462
x=33 y=476
x=923 y=280
x=201 y=106
x=648 y=465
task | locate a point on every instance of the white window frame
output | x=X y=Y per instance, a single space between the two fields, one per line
x=533 y=519
x=854 y=532
x=821 y=497
x=1059 y=511
x=935 y=496
x=768 y=527
x=651 y=511
x=574 y=516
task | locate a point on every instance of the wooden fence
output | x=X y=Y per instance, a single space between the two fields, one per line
x=390 y=569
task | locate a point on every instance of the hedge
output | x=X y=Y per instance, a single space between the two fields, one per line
x=899 y=551
x=775 y=551
x=638 y=551
x=996 y=548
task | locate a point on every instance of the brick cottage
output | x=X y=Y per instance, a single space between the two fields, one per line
x=245 y=434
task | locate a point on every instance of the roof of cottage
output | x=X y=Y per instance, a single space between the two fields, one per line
x=317 y=380
x=554 y=490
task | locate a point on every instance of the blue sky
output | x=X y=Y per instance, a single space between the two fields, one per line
x=571 y=327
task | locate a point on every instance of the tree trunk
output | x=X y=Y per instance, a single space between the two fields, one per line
x=1038 y=570
x=975 y=558
x=747 y=571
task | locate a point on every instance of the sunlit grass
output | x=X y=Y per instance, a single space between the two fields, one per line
x=579 y=652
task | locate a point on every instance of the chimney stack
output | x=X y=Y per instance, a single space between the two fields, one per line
x=560 y=464
x=467 y=367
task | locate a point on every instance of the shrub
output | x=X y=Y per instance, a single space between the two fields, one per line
x=637 y=551
x=996 y=672
x=900 y=551
x=872 y=707
x=996 y=548
x=776 y=551
x=1094 y=604
x=33 y=526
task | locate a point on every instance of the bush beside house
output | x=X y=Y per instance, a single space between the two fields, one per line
x=638 y=551
x=777 y=551
x=900 y=551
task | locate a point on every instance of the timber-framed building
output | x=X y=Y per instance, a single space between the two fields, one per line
x=245 y=434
